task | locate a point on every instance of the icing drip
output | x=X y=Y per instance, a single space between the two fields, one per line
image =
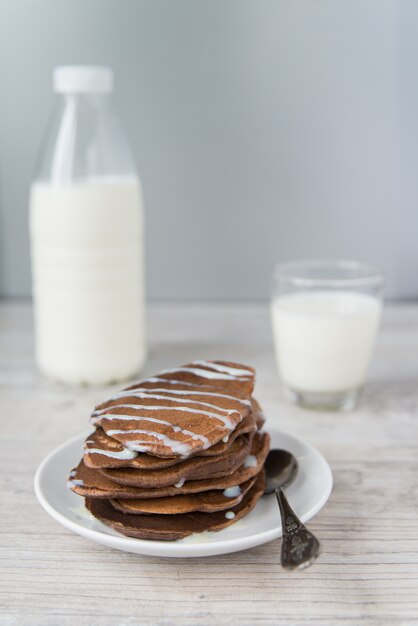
x=101 y=414
x=154 y=396
x=225 y=439
x=232 y=492
x=197 y=537
x=123 y=455
x=250 y=461
x=176 y=429
x=233 y=371
x=197 y=371
x=171 y=381
x=133 y=393
x=230 y=515
x=74 y=482
x=180 y=484
x=141 y=445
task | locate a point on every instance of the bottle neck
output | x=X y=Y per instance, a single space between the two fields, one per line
x=94 y=101
x=85 y=140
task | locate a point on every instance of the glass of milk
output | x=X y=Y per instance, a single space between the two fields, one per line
x=325 y=317
x=87 y=238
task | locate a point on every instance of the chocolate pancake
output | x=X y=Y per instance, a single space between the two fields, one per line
x=258 y=414
x=205 y=502
x=172 y=527
x=190 y=469
x=180 y=412
x=232 y=377
x=91 y=483
x=102 y=451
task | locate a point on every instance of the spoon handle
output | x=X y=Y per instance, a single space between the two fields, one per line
x=300 y=547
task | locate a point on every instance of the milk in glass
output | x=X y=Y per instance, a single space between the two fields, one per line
x=324 y=339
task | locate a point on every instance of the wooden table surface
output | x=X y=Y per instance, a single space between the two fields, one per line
x=368 y=572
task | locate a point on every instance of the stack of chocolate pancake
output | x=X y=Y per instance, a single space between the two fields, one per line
x=176 y=454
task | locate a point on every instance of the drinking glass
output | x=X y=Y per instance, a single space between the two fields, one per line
x=325 y=317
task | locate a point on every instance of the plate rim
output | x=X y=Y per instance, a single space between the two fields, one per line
x=174 y=549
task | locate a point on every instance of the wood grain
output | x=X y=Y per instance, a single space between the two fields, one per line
x=368 y=572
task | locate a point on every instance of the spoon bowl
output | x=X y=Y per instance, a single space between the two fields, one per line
x=281 y=468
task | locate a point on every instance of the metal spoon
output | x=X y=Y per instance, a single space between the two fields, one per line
x=300 y=547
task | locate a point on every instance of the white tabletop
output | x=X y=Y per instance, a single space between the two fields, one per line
x=368 y=572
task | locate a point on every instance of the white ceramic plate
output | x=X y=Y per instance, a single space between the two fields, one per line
x=307 y=495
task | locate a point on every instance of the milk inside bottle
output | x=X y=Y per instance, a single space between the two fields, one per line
x=87 y=234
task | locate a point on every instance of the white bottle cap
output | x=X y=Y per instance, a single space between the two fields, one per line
x=82 y=79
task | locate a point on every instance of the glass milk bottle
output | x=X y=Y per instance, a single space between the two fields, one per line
x=87 y=238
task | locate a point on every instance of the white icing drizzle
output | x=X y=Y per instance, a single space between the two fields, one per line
x=204 y=537
x=171 y=381
x=155 y=396
x=74 y=482
x=225 y=439
x=112 y=416
x=176 y=429
x=232 y=492
x=230 y=515
x=180 y=484
x=197 y=371
x=141 y=445
x=225 y=369
x=250 y=461
x=142 y=390
x=124 y=455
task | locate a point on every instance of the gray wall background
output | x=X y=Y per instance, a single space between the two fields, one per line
x=263 y=130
